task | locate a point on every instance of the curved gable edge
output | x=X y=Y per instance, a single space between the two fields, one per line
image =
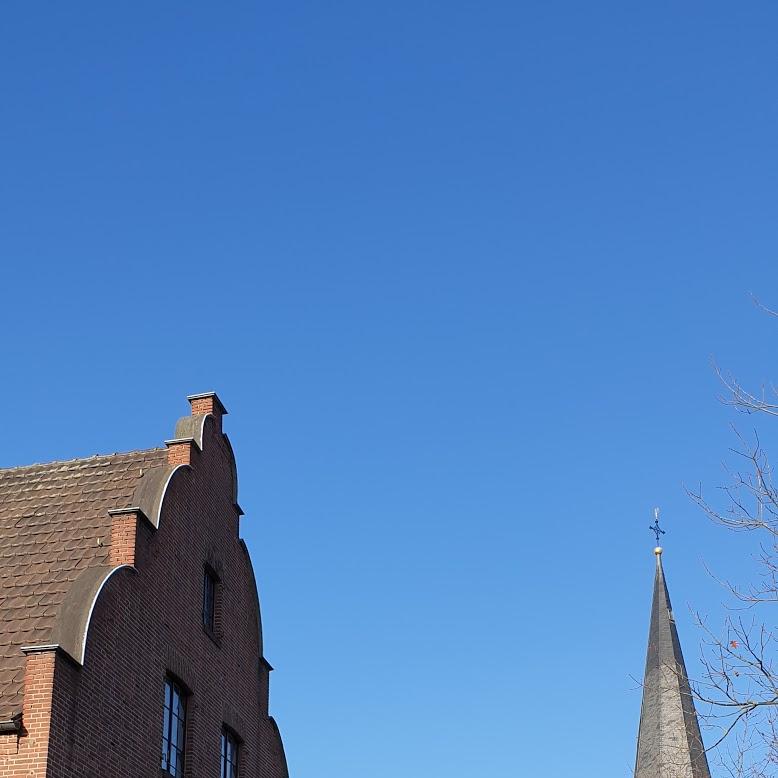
x=255 y=590
x=192 y=427
x=234 y=472
x=151 y=491
x=71 y=628
x=279 y=744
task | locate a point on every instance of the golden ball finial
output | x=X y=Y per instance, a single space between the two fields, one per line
x=658 y=550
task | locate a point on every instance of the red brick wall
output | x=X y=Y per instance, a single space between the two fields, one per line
x=107 y=716
x=207 y=404
x=38 y=750
x=124 y=536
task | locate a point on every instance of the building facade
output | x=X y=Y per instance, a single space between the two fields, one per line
x=131 y=638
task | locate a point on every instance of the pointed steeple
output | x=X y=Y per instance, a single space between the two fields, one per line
x=669 y=741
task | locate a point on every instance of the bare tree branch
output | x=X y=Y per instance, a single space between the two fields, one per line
x=737 y=692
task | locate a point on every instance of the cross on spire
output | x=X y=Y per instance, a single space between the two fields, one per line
x=655 y=528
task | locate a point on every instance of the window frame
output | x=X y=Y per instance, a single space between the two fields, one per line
x=174 y=720
x=229 y=762
x=210 y=577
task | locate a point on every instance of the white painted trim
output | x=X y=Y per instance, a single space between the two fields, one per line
x=200 y=396
x=38 y=649
x=80 y=659
x=173 y=441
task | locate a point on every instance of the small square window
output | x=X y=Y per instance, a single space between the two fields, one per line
x=173 y=729
x=209 y=600
x=229 y=758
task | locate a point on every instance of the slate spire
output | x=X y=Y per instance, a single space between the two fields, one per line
x=669 y=741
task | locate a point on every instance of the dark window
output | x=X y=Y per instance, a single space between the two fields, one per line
x=173 y=729
x=209 y=600
x=229 y=755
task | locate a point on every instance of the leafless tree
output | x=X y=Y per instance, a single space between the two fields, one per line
x=738 y=691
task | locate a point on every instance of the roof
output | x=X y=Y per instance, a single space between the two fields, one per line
x=54 y=524
x=669 y=740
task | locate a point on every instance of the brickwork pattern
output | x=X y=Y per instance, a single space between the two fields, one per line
x=124 y=537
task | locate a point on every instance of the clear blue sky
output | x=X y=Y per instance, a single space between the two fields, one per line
x=457 y=270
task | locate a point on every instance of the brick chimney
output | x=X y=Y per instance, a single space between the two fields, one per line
x=207 y=402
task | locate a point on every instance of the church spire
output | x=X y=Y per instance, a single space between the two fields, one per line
x=669 y=741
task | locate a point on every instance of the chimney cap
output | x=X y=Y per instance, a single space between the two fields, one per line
x=217 y=403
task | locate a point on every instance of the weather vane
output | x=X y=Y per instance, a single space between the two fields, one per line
x=655 y=528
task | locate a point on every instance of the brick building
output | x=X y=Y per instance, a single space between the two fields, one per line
x=130 y=637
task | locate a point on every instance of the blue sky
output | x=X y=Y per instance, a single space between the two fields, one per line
x=458 y=271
